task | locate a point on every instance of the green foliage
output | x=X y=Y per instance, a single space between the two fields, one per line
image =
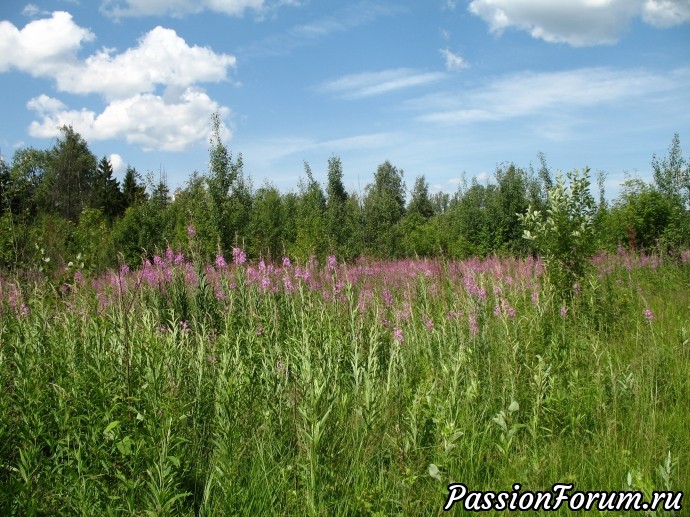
x=311 y=238
x=564 y=235
x=93 y=240
x=267 y=223
x=641 y=216
x=420 y=203
x=133 y=189
x=69 y=175
x=384 y=207
x=106 y=194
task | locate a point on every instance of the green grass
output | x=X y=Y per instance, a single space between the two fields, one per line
x=300 y=403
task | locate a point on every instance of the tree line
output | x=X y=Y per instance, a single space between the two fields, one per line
x=63 y=202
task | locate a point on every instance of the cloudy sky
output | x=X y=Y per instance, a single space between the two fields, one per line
x=438 y=87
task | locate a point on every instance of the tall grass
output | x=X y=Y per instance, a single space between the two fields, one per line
x=190 y=389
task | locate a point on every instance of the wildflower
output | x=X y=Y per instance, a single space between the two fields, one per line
x=535 y=297
x=564 y=311
x=239 y=256
x=124 y=269
x=429 y=324
x=685 y=256
x=649 y=314
x=78 y=276
x=23 y=310
x=287 y=283
x=332 y=262
x=286 y=262
x=474 y=329
x=220 y=262
x=191 y=231
x=185 y=327
x=398 y=335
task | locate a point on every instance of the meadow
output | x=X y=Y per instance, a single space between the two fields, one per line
x=238 y=388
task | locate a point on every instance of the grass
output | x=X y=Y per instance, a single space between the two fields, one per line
x=183 y=389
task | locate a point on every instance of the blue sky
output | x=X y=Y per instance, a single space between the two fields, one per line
x=438 y=87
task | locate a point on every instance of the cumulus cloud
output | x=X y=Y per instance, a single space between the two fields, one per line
x=161 y=58
x=578 y=22
x=126 y=8
x=146 y=120
x=128 y=82
x=117 y=163
x=43 y=46
x=367 y=84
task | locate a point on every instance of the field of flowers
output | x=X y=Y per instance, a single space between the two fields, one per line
x=237 y=388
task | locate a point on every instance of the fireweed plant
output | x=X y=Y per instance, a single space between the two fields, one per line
x=242 y=388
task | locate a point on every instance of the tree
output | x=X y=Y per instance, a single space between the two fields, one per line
x=420 y=203
x=224 y=180
x=70 y=174
x=267 y=223
x=311 y=221
x=672 y=173
x=336 y=206
x=384 y=207
x=133 y=190
x=564 y=235
x=107 y=195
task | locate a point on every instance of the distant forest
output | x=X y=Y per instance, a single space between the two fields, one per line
x=63 y=205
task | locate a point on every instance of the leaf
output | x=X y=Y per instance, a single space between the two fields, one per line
x=434 y=472
x=514 y=406
x=108 y=430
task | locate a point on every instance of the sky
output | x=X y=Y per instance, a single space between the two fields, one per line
x=441 y=88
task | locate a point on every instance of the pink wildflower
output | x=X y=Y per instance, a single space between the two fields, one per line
x=649 y=314
x=239 y=256
x=398 y=335
x=474 y=329
x=564 y=312
x=220 y=262
x=191 y=231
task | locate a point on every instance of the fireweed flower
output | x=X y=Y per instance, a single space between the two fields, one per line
x=474 y=329
x=332 y=262
x=649 y=314
x=185 y=327
x=398 y=335
x=220 y=262
x=429 y=324
x=191 y=231
x=286 y=262
x=239 y=256
x=564 y=312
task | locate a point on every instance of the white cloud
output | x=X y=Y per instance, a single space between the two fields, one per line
x=127 y=81
x=367 y=84
x=578 y=22
x=117 y=163
x=527 y=94
x=161 y=58
x=453 y=61
x=666 y=13
x=146 y=120
x=125 y=8
x=30 y=10
x=43 y=47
